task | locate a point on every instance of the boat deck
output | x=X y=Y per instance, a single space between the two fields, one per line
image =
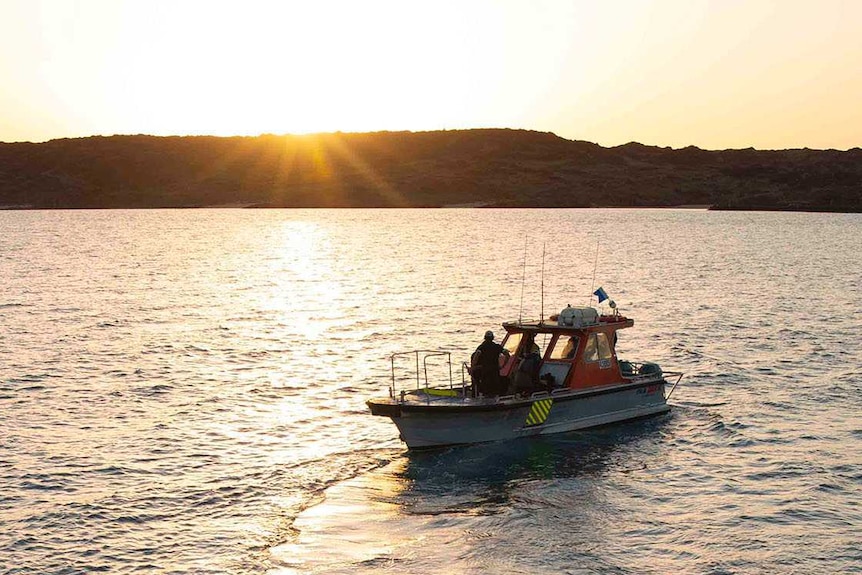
x=459 y=397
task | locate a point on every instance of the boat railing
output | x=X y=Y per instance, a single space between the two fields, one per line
x=669 y=375
x=644 y=372
x=421 y=374
x=636 y=371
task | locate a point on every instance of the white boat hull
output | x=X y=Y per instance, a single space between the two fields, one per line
x=428 y=421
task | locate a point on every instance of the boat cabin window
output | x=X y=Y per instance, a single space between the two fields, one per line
x=512 y=342
x=604 y=346
x=565 y=348
x=598 y=347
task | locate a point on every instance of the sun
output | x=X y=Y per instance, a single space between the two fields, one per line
x=210 y=68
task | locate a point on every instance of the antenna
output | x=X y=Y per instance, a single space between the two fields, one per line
x=595 y=267
x=523 y=279
x=542 y=316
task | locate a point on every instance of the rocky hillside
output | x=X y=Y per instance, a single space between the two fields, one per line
x=468 y=167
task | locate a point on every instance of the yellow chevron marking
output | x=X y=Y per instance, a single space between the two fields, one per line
x=539 y=412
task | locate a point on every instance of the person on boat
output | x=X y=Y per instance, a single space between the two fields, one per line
x=571 y=347
x=486 y=361
x=526 y=378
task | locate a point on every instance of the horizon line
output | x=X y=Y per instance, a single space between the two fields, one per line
x=441 y=130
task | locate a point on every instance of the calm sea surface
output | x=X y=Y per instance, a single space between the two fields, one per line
x=183 y=392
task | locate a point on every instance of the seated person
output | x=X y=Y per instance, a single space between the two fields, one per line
x=527 y=376
x=571 y=348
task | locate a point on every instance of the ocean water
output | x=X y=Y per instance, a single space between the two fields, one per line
x=183 y=392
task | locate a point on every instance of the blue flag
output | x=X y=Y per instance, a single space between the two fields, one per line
x=601 y=294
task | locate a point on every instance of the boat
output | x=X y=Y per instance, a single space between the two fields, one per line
x=574 y=381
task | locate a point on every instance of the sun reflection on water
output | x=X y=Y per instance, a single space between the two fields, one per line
x=329 y=536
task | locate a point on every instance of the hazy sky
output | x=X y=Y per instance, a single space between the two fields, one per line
x=716 y=74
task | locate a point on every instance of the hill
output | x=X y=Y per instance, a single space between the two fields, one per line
x=512 y=168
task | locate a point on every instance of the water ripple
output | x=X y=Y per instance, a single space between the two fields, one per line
x=183 y=391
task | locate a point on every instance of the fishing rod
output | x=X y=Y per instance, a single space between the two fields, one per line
x=523 y=279
x=542 y=313
x=595 y=267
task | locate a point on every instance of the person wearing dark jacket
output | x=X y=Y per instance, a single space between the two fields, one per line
x=486 y=361
x=526 y=378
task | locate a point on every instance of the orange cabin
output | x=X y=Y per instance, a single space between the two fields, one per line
x=577 y=348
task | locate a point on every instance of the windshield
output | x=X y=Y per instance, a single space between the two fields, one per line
x=512 y=341
x=565 y=348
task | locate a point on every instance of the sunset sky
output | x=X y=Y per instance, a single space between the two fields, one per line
x=715 y=74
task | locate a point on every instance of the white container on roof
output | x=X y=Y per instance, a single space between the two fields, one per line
x=578 y=317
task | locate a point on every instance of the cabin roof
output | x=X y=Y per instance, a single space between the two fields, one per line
x=615 y=322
